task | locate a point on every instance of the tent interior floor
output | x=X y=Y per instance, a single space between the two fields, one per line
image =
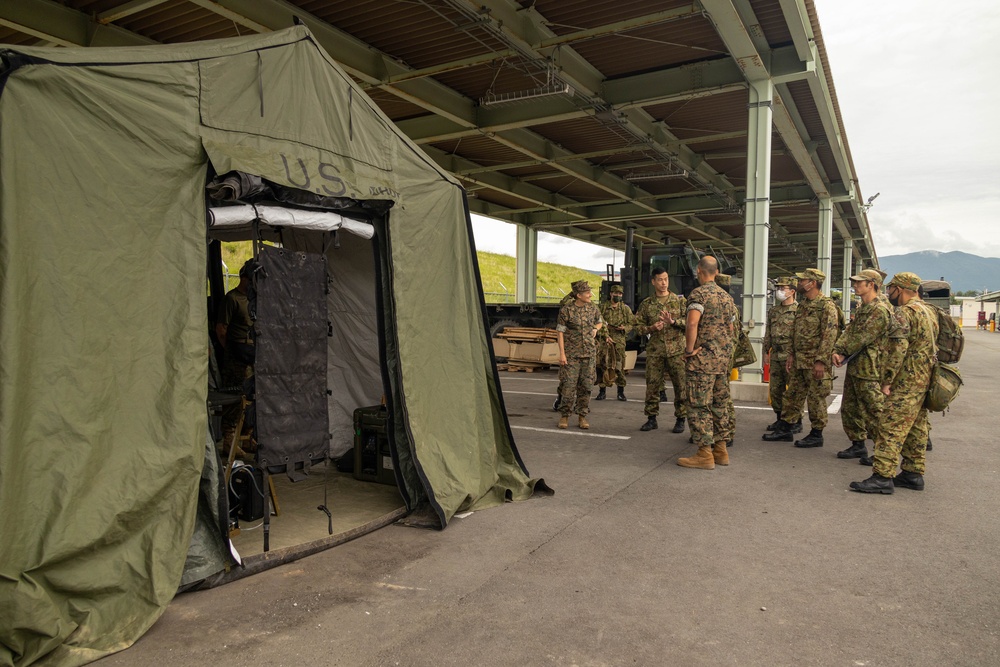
x=352 y=503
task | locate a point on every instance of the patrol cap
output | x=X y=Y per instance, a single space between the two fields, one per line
x=580 y=286
x=783 y=281
x=881 y=273
x=868 y=274
x=617 y=289
x=249 y=266
x=811 y=274
x=723 y=280
x=906 y=280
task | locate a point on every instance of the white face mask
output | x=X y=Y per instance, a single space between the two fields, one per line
x=780 y=295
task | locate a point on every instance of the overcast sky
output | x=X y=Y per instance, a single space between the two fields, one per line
x=917 y=83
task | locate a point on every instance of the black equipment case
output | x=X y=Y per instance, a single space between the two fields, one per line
x=372 y=455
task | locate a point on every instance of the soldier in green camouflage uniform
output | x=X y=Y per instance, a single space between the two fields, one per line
x=708 y=353
x=777 y=345
x=906 y=375
x=814 y=333
x=577 y=326
x=662 y=317
x=619 y=320
x=863 y=339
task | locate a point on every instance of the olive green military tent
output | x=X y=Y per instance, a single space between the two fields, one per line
x=105 y=155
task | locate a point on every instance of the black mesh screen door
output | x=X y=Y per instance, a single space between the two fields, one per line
x=290 y=369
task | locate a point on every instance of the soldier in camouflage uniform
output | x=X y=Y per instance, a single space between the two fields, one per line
x=906 y=375
x=619 y=320
x=708 y=352
x=861 y=343
x=777 y=345
x=577 y=326
x=729 y=433
x=662 y=317
x=569 y=298
x=814 y=333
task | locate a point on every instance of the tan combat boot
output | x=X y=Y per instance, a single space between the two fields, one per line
x=564 y=422
x=720 y=454
x=583 y=422
x=702 y=460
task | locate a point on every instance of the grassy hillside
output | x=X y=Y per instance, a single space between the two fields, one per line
x=498 y=273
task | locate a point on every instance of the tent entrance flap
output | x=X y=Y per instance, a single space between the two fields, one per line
x=291 y=360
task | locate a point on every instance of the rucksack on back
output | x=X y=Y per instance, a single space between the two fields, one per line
x=950 y=341
x=945 y=383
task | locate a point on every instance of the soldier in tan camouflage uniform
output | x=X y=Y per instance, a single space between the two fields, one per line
x=577 y=326
x=569 y=298
x=619 y=320
x=724 y=282
x=708 y=354
x=814 y=333
x=777 y=345
x=906 y=375
x=662 y=317
x=860 y=347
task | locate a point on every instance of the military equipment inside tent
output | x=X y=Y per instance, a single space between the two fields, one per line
x=105 y=460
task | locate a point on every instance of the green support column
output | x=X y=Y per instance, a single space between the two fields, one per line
x=757 y=222
x=824 y=246
x=845 y=294
x=526 y=289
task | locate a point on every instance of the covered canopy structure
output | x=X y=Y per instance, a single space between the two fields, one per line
x=713 y=123
x=104 y=226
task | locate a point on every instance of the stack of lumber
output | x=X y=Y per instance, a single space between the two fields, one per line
x=529 y=335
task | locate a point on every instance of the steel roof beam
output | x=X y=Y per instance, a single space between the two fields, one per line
x=52 y=22
x=126 y=10
x=507 y=184
x=523 y=27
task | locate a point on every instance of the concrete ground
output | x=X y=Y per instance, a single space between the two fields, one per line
x=636 y=561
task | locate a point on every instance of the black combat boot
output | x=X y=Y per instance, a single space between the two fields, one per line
x=874 y=484
x=781 y=433
x=867 y=460
x=909 y=480
x=814 y=439
x=857 y=450
x=773 y=425
x=602 y=393
x=621 y=394
x=930 y=445
x=663 y=397
x=650 y=424
x=678 y=425
x=797 y=426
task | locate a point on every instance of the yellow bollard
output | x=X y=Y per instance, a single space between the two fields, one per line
x=993 y=325
x=734 y=374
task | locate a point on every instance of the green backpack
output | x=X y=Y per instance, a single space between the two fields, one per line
x=946 y=380
x=950 y=341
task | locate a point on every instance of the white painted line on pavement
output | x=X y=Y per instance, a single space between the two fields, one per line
x=752 y=407
x=574 y=432
x=834 y=407
x=529 y=393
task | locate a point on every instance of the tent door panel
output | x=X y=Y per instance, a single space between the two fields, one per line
x=291 y=359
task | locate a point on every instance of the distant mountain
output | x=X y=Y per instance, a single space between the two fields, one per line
x=964 y=271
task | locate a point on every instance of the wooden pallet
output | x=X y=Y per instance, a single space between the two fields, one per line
x=525 y=367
